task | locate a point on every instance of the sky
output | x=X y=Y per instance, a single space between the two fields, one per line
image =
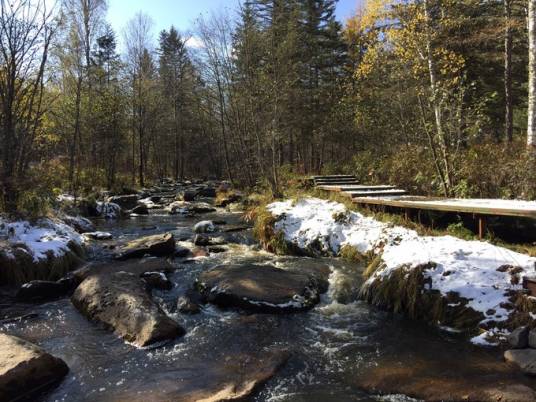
x=182 y=13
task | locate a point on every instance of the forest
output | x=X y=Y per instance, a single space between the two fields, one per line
x=431 y=95
x=273 y=204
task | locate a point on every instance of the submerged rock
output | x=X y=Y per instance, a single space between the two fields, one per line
x=41 y=290
x=190 y=302
x=121 y=302
x=260 y=288
x=26 y=370
x=157 y=245
x=228 y=377
x=436 y=376
x=525 y=359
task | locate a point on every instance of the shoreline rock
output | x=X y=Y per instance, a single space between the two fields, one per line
x=26 y=370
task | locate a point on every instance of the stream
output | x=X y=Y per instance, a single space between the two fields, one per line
x=331 y=345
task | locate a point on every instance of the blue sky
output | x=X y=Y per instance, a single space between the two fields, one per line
x=182 y=13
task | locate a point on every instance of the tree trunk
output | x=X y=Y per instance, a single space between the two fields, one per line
x=508 y=117
x=531 y=130
x=438 y=113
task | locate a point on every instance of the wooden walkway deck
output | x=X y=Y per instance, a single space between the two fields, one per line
x=391 y=196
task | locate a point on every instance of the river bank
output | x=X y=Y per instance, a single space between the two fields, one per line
x=335 y=348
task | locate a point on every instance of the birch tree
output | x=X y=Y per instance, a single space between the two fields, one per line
x=531 y=127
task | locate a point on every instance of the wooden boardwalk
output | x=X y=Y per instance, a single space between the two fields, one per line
x=391 y=196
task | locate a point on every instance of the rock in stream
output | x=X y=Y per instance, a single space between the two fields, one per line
x=26 y=370
x=120 y=301
x=261 y=288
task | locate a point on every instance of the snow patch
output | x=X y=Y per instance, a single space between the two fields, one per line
x=45 y=237
x=469 y=268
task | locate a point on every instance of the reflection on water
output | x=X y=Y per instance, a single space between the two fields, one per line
x=330 y=345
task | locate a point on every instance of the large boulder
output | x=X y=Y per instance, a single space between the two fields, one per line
x=260 y=288
x=160 y=245
x=120 y=301
x=125 y=201
x=26 y=370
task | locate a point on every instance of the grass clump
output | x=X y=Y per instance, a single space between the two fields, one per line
x=351 y=254
x=265 y=232
x=407 y=291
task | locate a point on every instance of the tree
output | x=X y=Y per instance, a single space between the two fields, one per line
x=141 y=68
x=26 y=31
x=174 y=66
x=531 y=128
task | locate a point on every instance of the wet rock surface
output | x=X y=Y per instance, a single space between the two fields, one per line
x=26 y=370
x=156 y=245
x=35 y=291
x=483 y=379
x=121 y=302
x=260 y=288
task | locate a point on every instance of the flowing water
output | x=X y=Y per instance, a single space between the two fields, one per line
x=330 y=345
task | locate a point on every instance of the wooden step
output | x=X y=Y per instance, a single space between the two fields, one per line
x=356 y=188
x=336 y=184
x=337 y=176
x=381 y=193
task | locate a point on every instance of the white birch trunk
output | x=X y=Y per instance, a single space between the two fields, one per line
x=531 y=129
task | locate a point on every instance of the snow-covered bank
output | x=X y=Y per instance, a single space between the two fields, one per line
x=466 y=274
x=41 y=250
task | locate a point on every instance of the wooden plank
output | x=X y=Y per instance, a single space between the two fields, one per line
x=353 y=187
x=338 y=183
x=373 y=193
x=420 y=203
x=340 y=176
